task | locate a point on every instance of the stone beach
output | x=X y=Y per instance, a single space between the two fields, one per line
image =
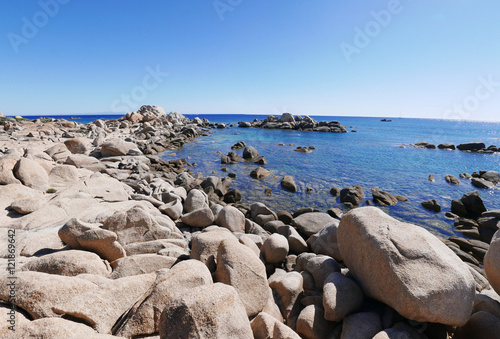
x=104 y=239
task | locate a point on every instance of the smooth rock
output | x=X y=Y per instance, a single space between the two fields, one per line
x=144 y=317
x=326 y=241
x=205 y=245
x=38 y=293
x=140 y=264
x=209 y=311
x=69 y=263
x=32 y=174
x=265 y=326
x=341 y=296
x=361 y=325
x=202 y=217
x=275 y=249
x=103 y=306
x=311 y=323
x=196 y=199
x=406 y=267
x=239 y=267
x=311 y=223
x=231 y=218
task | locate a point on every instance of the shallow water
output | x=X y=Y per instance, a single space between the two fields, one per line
x=370 y=157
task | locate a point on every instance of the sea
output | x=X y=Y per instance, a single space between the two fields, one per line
x=372 y=154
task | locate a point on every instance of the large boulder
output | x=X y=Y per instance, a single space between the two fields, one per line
x=77 y=145
x=205 y=245
x=325 y=241
x=135 y=225
x=55 y=328
x=201 y=217
x=140 y=264
x=32 y=174
x=406 y=267
x=239 y=267
x=287 y=117
x=492 y=262
x=6 y=172
x=69 y=263
x=231 y=218
x=102 y=307
x=275 y=249
x=209 y=311
x=265 y=326
x=144 y=317
x=118 y=148
x=312 y=222
x=38 y=293
x=341 y=296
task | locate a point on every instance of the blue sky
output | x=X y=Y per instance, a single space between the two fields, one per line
x=326 y=57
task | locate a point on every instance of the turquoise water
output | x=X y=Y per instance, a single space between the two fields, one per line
x=370 y=157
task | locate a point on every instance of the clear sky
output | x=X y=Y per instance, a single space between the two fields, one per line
x=438 y=59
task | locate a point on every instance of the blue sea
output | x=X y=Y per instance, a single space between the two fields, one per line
x=378 y=154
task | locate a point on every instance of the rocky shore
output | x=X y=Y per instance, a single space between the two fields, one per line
x=99 y=238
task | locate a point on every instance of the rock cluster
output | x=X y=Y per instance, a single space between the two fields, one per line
x=475 y=147
x=288 y=121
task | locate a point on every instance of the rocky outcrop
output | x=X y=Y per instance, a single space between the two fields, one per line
x=288 y=183
x=301 y=123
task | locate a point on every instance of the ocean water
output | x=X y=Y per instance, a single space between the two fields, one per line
x=371 y=157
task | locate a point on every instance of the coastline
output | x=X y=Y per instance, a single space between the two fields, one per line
x=105 y=173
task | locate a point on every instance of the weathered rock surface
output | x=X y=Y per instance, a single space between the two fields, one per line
x=406 y=267
x=135 y=225
x=170 y=285
x=103 y=306
x=275 y=248
x=209 y=311
x=38 y=293
x=119 y=147
x=239 y=267
x=69 y=263
x=31 y=174
x=202 y=217
x=326 y=242
x=140 y=264
x=205 y=245
x=341 y=296
x=311 y=223
x=232 y=219
x=265 y=326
